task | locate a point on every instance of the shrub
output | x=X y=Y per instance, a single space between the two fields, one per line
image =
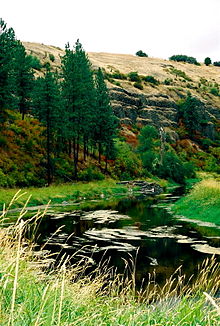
x=207 y=61
x=151 y=79
x=214 y=91
x=34 y=62
x=168 y=81
x=138 y=85
x=184 y=58
x=118 y=75
x=216 y=63
x=180 y=73
x=51 y=57
x=175 y=169
x=133 y=76
x=91 y=173
x=140 y=53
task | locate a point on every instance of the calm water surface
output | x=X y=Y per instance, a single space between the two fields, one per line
x=131 y=228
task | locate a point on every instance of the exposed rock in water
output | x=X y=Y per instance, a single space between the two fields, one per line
x=146 y=188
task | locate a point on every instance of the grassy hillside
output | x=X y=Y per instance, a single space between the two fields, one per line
x=181 y=77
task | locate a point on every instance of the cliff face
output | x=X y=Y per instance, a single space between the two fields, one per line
x=155 y=103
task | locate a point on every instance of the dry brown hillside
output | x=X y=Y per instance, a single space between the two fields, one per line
x=154 y=103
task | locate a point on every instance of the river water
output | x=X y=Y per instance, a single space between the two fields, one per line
x=141 y=230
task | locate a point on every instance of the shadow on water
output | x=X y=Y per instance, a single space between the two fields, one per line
x=127 y=228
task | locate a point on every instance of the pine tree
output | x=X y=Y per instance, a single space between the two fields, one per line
x=106 y=122
x=78 y=92
x=47 y=107
x=7 y=82
x=24 y=78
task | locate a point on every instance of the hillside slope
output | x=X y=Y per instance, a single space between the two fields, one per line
x=154 y=103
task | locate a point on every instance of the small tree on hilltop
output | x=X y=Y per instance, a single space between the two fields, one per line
x=140 y=53
x=207 y=61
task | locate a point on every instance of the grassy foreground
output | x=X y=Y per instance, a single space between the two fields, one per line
x=202 y=203
x=57 y=194
x=65 y=296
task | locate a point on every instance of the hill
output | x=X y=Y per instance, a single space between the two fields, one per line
x=149 y=100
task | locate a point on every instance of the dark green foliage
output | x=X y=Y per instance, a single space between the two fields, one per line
x=214 y=91
x=207 y=61
x=105 y=121
x=8 y=44
x=159 y=158
x=191 y=111
x=79 y=98
x=47 y=107
x=168 y=81
x=151 y=79
x=138 y=85
x=127 y=163
x=180 y=73
x=184 y=58
x=24 y=78
x=51 y=57
x=175 y=169
x=133 y=76
x=34 y=62
x=91 y=173
x=216 y=63
x=140 y=53
x=118 y=75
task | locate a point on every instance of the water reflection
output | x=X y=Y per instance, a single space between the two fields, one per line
x=131 y=228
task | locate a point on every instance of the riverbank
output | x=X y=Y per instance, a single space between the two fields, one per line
x=65 y=296
x=63 y=193
x=202 y=203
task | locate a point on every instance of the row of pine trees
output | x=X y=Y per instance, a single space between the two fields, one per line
x=73 y=104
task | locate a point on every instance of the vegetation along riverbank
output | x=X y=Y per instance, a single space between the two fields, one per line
x=202 y=203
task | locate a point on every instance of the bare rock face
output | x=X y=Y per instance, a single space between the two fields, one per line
x=158 y=110
x=132 y=108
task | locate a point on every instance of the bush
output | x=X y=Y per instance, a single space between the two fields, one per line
x=51 y=57
x=140 y=53
x=214 y=91
x=217 y=63
x=184 y=58
x=175 y=169
x=151 y=79
x=127 y=163
x=34 y=62
x=138 y=85
x=180 y=73
x=133 y=76
x=91 y=173
x=207 y=61
x=168 y=81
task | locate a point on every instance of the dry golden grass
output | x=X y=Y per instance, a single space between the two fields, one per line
x=126 y=63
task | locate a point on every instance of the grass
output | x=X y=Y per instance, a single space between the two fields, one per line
x=57 y=194
x=65 y=296
x=202 y=203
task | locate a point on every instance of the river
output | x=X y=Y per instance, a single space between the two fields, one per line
x=140 y=230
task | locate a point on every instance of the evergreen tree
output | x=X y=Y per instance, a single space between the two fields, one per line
x=24 y=78
x=7 y=82
x=207 y=61
x=78 y=93
x=106 y=122
x=48 y=110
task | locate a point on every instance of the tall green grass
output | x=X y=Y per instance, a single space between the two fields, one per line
x=202 y=203
x=32 y=293
x=57 y=194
